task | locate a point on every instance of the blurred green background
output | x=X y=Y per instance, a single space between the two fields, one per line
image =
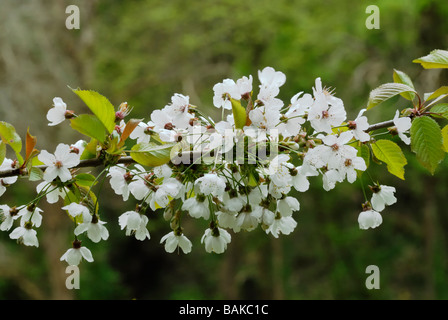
x=144 y=51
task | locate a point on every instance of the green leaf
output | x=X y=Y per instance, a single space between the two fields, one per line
x=438 y=95
x=90 y=150
x=82 y=195
x=10 y=137
x=445 y=138
x=441 y=109
x=436 y=59
x=387 y=91
x=401 y=77
x=90 y=126
x=2 y=152
x=100 y=106
x=364 y=152
x=36 y=174
x=427 y=143
x=151 y=154
x=239 y=113
x=85 y=180
x=389 y=152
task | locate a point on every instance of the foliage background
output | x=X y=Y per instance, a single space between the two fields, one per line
x=142 y=52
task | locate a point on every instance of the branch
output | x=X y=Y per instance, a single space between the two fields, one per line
x=380 y=125
x=83 y=164
x=127 y=160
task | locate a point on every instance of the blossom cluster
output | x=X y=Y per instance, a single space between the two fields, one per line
x=238 y=174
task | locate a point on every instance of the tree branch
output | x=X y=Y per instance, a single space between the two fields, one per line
x=380 y=125
x=83 y=164
x=127 y=160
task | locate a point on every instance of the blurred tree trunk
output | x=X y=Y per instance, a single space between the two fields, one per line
x=39 y=58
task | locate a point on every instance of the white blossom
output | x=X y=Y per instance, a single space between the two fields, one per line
x=8 y=216
x=56 y=115
x=369 y=219
x=25 y=235
x=283 y=225
x=96 y=231
x=216 y=240
x=402 y=124
x=6 y=182
x=212 y=184
x=58 y=165
x=223 y=91
x=382 y=196
x=73 y=256
x=173 y=241
x=119 y=179
x=197 y=207
x=287 y=205
x=134 y=223
x=53 y=193
x=359 y=127
x=33 y=216
x=75 y=210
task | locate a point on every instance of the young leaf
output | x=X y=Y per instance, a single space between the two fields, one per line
x=401 y=77
x=438 y=95
x=9 y=136
x=90 y=126
x=2 y=152
x=30 y=143
x=390 y=153
x=436 y=59
x=85 y=180
x=426 y=142
x=239 y=113
x=445 y=138
x=364 y=152
x=130 y=126
x=387 y=91
x=441 y=109
x=100 y=106
x=36 y=174
x=90 y=151
x=151 y=154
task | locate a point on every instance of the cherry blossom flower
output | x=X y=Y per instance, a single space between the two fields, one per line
x=8 y=216
x=6 y=182
x=75 y=210
x=216 y=240
x=53 y=193
x=142 y=133
x=223 y=91
x=96 y=231
x=174 y=240
x=73 y=256
x=326 y=113
x=382 y=196
x=58 y=113
x=58 y=165
x=119 y=180
x=31 y=214
x=197 y=207
x=282 y=224
x=134 y=223
x=358 y=127
x=287 y=205
x=402 y=125
x=212 y=184
x=369 y=219
x=26 y=235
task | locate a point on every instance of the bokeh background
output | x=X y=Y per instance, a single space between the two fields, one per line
x=142 y=52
